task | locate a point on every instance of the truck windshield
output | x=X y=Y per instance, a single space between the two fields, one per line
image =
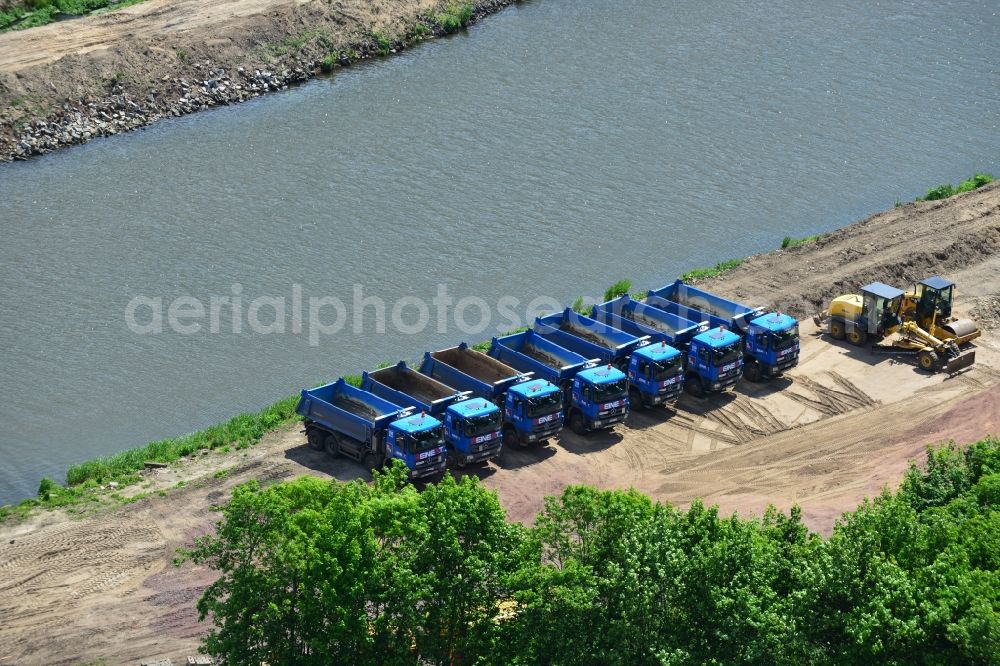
x=428 y=439
x=666 y=369
x=480 y=425
x=543 y=405
x=784 y=339
x=609 y=391
x=727 y=354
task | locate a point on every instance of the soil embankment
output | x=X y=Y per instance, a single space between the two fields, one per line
x=840 y=427
x=68 y=82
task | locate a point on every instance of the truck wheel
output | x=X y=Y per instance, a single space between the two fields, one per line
x=576 y=423
x=857 y=337
x=929 y=361
x=694 y=386
x=512 y=438
x=370 y=462
x=332 y=445
x=837 y=330
x=635 y=399
x=315 y=439
x=752 y=372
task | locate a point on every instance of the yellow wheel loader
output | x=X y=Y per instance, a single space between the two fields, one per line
x=928 y=305
x=874 y=315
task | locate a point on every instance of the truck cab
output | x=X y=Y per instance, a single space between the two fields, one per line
x=599 y=399
x=417 y=440
x=473 y=429
x=715 y=361
x=772 y=346
x=656 y=375
x=532 y=412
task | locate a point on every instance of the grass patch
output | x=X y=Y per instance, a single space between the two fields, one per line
x=619 y=288
x=714 y=271
x=241 y=431
x=788 y=241
x=383 y=43
x=484 y=346
x=454 y=18
x=948 y=190
x=293 y=42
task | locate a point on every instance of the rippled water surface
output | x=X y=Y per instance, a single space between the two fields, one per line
x=550 y=150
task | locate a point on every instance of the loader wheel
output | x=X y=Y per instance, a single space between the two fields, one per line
x=837 y=330
x=857 y=337
x=929 y=361
x=315 y=439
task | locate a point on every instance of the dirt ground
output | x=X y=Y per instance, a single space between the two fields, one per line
x=839 y=428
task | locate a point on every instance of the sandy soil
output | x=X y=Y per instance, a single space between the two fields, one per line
x=840 y=427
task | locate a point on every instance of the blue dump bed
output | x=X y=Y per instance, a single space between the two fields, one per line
x=700 y=305
x=405 y=386
x=530 y=352
x=587 y=337
x=638 y=318
x=466 y=369
x=346 y=409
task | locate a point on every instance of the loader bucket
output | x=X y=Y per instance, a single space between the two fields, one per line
x=960 y=362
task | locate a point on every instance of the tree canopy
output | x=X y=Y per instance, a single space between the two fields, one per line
x=320 y=572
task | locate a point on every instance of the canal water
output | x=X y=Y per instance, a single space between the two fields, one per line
x=551 y=150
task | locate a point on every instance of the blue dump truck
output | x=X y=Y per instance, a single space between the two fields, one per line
x=345 y=420
x=656 y=370
x=712 y=359
x=770 y=339
x=589 y=337
x=472 y=426
x=583 y=383
x=532 y=408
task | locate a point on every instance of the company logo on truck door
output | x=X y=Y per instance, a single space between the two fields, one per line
x=430 y=453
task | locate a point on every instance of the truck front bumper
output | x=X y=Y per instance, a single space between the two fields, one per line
x=539 y=435
x=609 y=420
x=478 y=456
x=723 y=383
x=782 y=365
x=430 y=469
x=667 y=398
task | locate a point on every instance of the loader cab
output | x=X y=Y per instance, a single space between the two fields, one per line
x=880 y=308
x=933 y=298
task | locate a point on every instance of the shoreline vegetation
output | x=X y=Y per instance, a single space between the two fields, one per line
x=84 y=481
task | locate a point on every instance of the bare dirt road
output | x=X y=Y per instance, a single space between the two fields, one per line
x=837 y=429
